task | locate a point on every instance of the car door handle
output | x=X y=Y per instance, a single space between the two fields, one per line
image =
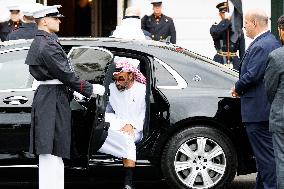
x=15 y=100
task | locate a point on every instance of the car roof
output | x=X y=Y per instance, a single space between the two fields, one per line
x=150 y=47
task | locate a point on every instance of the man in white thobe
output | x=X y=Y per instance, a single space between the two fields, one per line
x=125 y=113
x=130 y=27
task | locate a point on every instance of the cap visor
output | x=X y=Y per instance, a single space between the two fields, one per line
x=57 y=16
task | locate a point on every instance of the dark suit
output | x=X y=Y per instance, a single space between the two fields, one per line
x=274 y=85
x=160 y=28
x=255 y=106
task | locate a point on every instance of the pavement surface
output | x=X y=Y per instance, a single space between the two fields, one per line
x=23 y=178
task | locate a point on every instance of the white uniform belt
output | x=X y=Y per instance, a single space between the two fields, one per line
x=50 y=82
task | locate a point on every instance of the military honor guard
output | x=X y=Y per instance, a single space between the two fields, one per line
x=13 y=24
x=28 y=28
x=227 y=48
x=160 y=26
x=50 y=134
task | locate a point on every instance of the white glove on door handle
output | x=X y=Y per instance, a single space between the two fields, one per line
x=78 y=96
x=98 y=89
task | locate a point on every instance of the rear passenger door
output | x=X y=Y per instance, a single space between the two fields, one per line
x=96 y=66
x=16 y=95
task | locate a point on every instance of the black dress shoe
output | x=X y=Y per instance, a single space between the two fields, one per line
x=128 y=187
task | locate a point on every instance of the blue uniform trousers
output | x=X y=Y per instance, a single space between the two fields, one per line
x=261 y=142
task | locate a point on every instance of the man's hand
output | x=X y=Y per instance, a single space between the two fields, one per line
x=234 y=93
x=227 y=15
x=128 y=129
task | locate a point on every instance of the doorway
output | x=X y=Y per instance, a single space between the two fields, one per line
x=84 y=18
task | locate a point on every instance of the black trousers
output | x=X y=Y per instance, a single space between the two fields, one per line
x=261 y=142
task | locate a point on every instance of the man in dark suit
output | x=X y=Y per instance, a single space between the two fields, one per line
x=254 y=104
x=159 y=25
x=274 y=85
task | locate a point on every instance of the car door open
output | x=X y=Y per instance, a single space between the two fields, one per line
x=89 y=133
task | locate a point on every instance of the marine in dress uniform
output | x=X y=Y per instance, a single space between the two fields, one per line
x=221 y=33
x=159 y=25
x=50 y=134
x=28 y=28
x=11 y=25
x=125 y=113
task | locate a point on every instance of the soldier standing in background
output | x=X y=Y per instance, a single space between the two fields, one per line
x=12 y=24
x=28 y=28
x=222 y=34
x=159 y=25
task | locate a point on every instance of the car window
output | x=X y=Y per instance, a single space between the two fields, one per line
x=14 y=73
x=90 y=63
x=163 y=76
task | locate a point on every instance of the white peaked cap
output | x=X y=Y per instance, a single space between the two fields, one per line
x=156 y=1
x=51 y=11
x=28 y=9
x=13 y=7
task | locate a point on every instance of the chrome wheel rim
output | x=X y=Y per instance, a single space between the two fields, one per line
x=200 y=163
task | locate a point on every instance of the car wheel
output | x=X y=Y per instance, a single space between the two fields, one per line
x=199 y=157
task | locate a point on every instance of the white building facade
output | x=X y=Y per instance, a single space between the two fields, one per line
x=193 y=19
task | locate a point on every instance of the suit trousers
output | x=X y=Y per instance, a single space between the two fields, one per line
x=51 y=172
x=278 y=144
x=261 y=142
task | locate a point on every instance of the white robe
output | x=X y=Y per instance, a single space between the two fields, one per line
x=130 y=28
x=126 y=107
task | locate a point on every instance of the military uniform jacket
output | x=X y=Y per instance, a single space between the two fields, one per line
x=219 y=35
x=25 y=31
x=6 y=28
x=159 y=30
x=274 y=85
x=51 y=113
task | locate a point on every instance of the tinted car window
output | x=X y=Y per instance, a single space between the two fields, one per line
x=163 y=76
x=14 y=73
x=90 y=63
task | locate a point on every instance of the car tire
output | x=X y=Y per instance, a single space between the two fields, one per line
x=199 y=157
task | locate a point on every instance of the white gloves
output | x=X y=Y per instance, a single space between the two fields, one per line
x=228 y=15
x=98 y=89
x=78 y=96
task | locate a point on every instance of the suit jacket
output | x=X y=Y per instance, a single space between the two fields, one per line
x=274 y=85
x=250 y=86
